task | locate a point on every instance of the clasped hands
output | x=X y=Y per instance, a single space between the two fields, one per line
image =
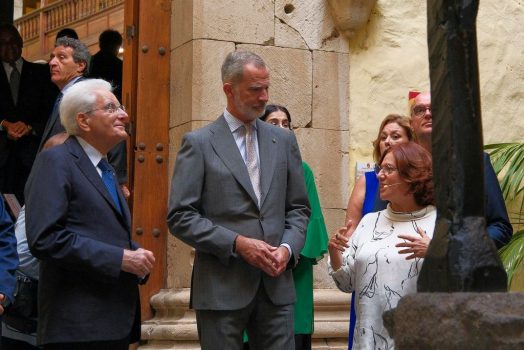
x=16 y=130
x=271 y=260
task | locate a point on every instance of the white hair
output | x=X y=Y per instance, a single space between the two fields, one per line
x=80 y=98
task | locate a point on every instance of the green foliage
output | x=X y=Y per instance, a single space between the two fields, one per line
x=508 y=162
x=512 y=254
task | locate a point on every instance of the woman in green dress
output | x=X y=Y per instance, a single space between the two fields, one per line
x=314 y=248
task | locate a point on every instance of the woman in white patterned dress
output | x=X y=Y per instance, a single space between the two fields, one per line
x=382 y=258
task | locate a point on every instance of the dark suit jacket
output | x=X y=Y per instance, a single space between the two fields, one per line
x=8 y=255
x=74 y=228
x=108 y=67
x=497 y=220
x=35 y=101
x=212 y=200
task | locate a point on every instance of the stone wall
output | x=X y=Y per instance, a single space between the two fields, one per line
x=389 y=57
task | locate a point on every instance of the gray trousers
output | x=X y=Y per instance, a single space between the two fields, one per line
x=268 y=326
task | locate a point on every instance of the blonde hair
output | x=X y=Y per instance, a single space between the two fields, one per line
x=402 y=121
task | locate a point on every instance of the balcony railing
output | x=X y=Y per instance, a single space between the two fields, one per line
x=60 y=14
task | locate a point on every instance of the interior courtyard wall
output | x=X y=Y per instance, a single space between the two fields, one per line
x=389 y=57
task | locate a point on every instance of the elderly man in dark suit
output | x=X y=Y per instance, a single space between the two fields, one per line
x=27 y=98
x=238 y=197
x=78 y=225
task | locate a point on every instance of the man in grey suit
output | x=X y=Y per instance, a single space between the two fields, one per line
x=238 y=197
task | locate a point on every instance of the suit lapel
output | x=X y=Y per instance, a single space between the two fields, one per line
x=53 y=119
x=224 y=144
x=5 y=88
x=88 y=169
x=50 y=123
x=267 y=149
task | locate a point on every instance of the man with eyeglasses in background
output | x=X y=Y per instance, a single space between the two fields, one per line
x=68 y=65
x=78 y=225
x=497 y=221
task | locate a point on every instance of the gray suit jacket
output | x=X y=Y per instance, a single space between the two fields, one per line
x=212 y=200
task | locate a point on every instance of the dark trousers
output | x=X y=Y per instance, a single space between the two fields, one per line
x=268 y=326
x=12 y=344
x=122 y=344
x=302 y=342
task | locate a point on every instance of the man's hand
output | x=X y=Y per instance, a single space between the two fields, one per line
x=282 y=255
x=125 y=191
x=260 y=254
x=416 y=246
x=139 y=262
x=16 y=130
x=2 y=298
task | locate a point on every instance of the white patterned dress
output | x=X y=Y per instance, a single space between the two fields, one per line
x=379 y=275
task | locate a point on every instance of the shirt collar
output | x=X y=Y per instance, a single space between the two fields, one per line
x=92 y=153
x=234 y=123
x=19 y=62
x=68 y=85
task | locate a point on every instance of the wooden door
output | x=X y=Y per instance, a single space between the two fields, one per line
x=146 y=94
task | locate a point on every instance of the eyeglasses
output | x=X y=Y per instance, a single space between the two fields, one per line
x=387 y=169
x=420 y=111
x=110 y=108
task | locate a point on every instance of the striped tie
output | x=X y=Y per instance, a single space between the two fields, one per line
x=252 y=161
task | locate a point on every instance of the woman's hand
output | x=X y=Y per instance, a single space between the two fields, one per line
x=416 y=246
x=338 y=243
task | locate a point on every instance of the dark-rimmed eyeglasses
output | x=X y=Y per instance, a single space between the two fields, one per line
x=387 y=169
x=420 y=111
x=110 y=108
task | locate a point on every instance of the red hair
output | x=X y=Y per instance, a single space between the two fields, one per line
x=414 y=166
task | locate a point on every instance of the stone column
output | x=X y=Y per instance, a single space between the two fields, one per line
x=309 y=66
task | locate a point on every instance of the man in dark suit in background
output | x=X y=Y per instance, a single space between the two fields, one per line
x=105 y=64
x=69 y=63
x=27 y=97
x=498 y=225
x=78 y=225
x=238 y=197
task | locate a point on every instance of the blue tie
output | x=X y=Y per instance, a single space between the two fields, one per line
x=108 y=178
